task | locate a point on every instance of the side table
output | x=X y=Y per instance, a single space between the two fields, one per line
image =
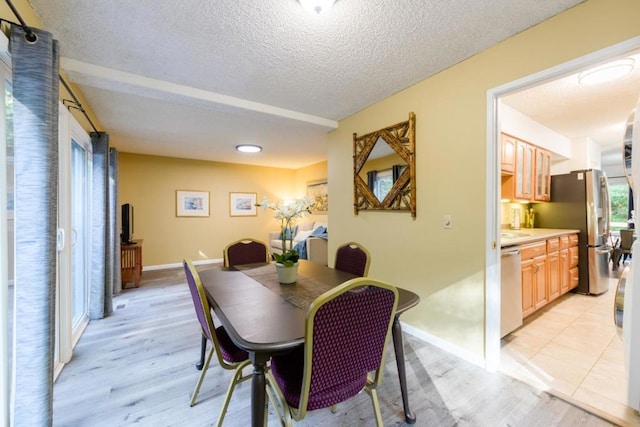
x=131 y=262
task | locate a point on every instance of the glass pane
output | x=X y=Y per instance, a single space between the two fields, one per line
x=79 y=228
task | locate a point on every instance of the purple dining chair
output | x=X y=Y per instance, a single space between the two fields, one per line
x=245 y=251
x=229 y=355
x=352 y=258
x=346 y=332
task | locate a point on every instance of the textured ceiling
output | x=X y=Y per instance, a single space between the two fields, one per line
x=598 y=112
x=194 y=78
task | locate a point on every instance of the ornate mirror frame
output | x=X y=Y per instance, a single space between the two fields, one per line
x=402 y=196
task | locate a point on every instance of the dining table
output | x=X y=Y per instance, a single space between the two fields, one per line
x=264 y=317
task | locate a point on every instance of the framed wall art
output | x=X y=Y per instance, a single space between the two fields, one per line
x=192 y=203
x=318 y=191
x=242 y=204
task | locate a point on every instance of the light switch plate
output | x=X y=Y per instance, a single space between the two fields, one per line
x=447 y=221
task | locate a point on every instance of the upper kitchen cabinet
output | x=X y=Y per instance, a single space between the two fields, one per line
x=508 y=154
x=543 y=176
x=531 y=176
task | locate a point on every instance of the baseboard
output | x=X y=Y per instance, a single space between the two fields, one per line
x=444 y=345
x=179 y=264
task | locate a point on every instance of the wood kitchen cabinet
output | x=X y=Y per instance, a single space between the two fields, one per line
x=508 y=154
x=525 y=170
x=525 y=157
x=542 y=178
x=549 y=269
x=553 y=268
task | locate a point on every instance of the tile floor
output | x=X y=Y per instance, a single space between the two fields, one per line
x=571 y=347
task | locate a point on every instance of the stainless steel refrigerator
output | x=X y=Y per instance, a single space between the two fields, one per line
x=580 y=200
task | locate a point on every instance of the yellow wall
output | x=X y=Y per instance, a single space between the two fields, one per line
x=149 y=183
x=447 y=266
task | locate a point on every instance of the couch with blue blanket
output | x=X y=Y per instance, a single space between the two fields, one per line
x=310 y=238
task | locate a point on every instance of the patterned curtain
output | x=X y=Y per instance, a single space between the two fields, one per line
x=35 y=93
x=102 y=245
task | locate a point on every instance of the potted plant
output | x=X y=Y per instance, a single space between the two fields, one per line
x=287 y=213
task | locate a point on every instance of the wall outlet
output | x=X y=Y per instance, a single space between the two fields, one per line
x=447 y=221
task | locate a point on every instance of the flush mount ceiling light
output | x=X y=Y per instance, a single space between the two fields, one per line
x=317 y=6
x=248 y=148
x=607 y=72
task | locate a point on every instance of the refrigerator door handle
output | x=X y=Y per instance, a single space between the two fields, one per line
x=607 y=207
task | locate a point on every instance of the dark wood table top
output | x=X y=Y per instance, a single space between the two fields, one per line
x=262 y=315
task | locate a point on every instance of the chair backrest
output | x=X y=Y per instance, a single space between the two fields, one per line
x=199 y=298
x=245 y=251
x=626 y=239
x=353 y=258
x=347 y=329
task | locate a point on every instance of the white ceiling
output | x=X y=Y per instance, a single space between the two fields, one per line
x=194 y=78
x=576 y=111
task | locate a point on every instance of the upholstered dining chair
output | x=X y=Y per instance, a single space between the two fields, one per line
x=352 y=258
x=229 y=355
x=245 y=251
x=626 y=241
x=346 y=333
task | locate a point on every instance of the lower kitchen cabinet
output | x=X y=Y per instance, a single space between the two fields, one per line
x=549 y=269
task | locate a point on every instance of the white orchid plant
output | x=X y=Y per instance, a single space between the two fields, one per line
x=287 y=213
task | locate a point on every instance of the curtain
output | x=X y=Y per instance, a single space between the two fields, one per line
x=101 y=287
x=35 y=93
x=396 y=170
x=115 y=229
x=630 y=209
x=371 y=179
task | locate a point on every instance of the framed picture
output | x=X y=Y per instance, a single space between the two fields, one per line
x=318 y=191
x=192 y=203
x=242 y=204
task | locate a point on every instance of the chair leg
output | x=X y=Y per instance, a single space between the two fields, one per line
x=237 y=377
x=203 y=350
x=201 y=378
x=373 y=393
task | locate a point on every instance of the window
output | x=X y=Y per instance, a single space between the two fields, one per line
x=383 y=184
x=619 y=196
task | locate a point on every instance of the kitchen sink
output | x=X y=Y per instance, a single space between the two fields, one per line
x=513 y=235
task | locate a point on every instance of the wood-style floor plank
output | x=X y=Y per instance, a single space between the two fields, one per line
x=137 y=367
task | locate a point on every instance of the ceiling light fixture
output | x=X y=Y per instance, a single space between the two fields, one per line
x=317 y=6
x=248 y=148
x=607 y=72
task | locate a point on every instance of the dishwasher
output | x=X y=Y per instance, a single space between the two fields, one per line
x=510 y=290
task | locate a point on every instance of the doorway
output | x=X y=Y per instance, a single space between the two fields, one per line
x=536 y=324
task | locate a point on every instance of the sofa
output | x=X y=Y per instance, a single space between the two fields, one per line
x=316 y=247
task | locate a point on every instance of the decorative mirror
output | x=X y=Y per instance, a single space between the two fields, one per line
x=384 y=168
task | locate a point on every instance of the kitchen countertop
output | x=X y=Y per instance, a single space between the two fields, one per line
x=509 y=237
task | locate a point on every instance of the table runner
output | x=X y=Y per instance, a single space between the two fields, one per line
x=301 y=293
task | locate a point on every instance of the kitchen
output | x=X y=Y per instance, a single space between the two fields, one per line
x=567 y=342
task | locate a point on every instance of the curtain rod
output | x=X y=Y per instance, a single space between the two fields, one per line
x=32 y=37
x=78 y=105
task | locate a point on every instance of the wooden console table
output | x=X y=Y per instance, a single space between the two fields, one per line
x=131 y=262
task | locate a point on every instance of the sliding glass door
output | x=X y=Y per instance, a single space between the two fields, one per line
x=80 y=231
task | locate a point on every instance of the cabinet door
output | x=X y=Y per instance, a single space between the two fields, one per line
x=542 y=175
x=525 y=155
x=508 y=154
x=565 y=278
x=527 y=287
x=540 y=281
x=553 y=264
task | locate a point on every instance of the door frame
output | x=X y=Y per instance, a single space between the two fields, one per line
x=492 y=226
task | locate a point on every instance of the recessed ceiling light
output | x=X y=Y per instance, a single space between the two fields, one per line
x=248 y=148
x=317 y=6
x=607 y=72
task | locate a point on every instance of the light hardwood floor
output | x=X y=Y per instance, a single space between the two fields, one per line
x=136 y=367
